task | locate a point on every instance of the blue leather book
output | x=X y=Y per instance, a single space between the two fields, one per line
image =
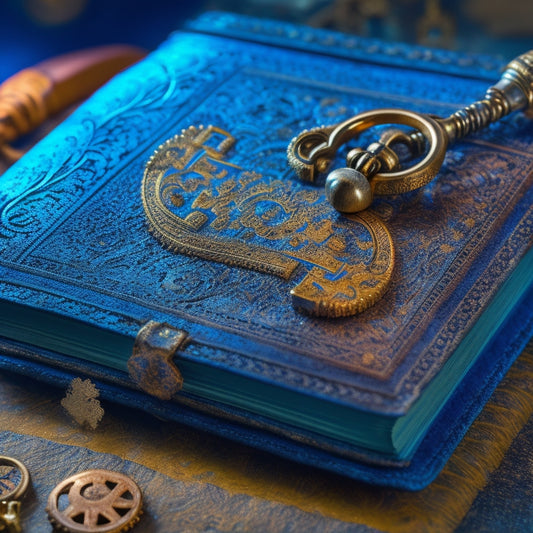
x=158 y=243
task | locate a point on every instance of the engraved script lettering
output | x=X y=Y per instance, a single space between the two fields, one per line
x=198 y=203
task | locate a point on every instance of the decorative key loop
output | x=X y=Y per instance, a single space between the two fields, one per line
x=347 y=189
x=377 y=170
x=12 y=489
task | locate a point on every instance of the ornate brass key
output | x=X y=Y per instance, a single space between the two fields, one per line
x=377 y=170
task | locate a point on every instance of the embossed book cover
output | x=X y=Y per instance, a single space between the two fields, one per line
x=159 y=242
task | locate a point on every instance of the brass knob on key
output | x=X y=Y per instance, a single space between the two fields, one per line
x=311 y=152
x=348 y=190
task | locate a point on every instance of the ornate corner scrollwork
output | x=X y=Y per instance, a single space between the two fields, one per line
x=198 y=203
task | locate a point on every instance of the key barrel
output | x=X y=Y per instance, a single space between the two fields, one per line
x=513 y=92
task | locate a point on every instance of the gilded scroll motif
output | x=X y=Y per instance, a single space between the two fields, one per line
x=198 y=203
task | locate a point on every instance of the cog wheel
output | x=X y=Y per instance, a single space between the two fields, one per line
x=95 y=501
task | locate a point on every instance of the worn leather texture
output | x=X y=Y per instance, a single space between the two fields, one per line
x=75 y=240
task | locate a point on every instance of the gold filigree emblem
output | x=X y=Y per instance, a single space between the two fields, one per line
x=198 y=203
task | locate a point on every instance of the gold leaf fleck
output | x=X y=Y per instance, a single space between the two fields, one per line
x=81 y=403
x=368 y=359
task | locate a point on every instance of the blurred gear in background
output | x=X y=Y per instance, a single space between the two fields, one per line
x=33 y=30
x=482 y=26
x=352 y=16
x=54 y=12
x=435 y=27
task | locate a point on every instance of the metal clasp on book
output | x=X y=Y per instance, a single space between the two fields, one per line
x=379 y=169
x=151 y=364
